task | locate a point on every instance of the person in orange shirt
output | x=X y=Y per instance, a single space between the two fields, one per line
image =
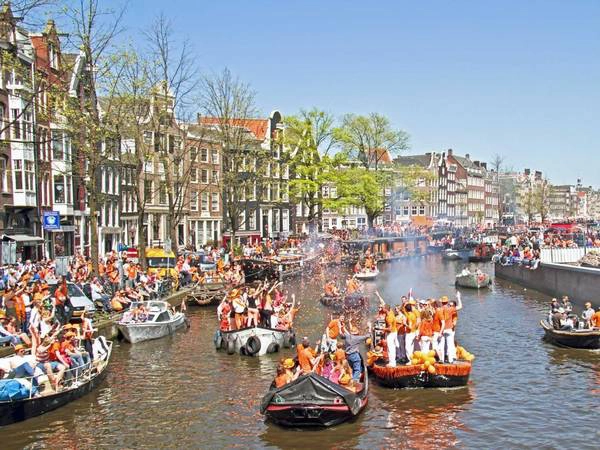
x=596 y=319
x=436 y=340
x=412 y=327
x=329 y=340
x=426 y=330
x=392 y=335
x=306 y=355
x=449 y=317
x=132 y=273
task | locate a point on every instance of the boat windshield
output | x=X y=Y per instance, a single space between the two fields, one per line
x=162 y=262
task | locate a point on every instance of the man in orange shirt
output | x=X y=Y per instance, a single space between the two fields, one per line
x=306 y=355
x=436 y=340
x=329 y=340
x=412 y=326
x=392 y=335
x=450 y=316
x=596 y=319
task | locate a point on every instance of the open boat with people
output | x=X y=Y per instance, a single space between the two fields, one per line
x=473 y=280
x=575 y=338
x=22 y=398
x=453 y=255
x=314 y=401
x=150 y=320
x=367 y=275
x=254 y=341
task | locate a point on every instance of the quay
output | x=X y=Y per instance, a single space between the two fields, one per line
x=581 y=284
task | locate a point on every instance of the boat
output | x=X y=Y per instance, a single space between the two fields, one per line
x=314 y=401
x=452 y=255
x=479 y=259
x=28 y=403
x=435 y=248
x=331 y=300
x=473 y=280
x=415 y=376
x=367 y=275
x=585 y=339
x=254 y=341
x=160 y=322
x=352 y=301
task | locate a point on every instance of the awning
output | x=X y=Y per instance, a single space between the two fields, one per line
x=23 y=239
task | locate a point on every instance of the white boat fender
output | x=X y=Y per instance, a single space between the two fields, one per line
x=218 y=339
x=230 y=347
x=100 y=347
x=253 y=345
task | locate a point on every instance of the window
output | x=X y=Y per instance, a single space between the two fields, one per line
x=2 y=120
x=204 y=206
x=215 y=202
x=275 y=220
x=252 y=221
x=52 y=56
x=215 y=156
x=3 y=172
x=147 y=191
x=413 y=210
x=59 y=189
x=193 y=154
x=204 y=176
x=215 y=177
x=194 y=175
x=162 y=195
x=29 y=176
x=18 y=171
x=326 y=223
x=422 y=210
x=57 y=145
x=148 y=137
x=194 y=201
x=27 y=126
x=204 y=155
x=16 y=123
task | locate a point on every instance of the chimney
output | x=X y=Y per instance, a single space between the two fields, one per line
x=527 y=172
x=467 y=156
x=450 y=152
x=484 y=165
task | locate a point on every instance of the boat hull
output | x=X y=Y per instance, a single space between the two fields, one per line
x=473 y=281
x=478 y=259
x=405 y=377
x=366 y=276
x=140 y=332
x=238 y=341
x=588 y=340
x=314 y=401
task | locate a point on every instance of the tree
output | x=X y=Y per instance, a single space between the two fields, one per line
x=309 y=138
x=541 y=199
x=228 y=104
x=359 y=187
x=368 y=137
x=93 y=31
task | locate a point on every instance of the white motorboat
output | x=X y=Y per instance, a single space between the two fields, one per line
x=159 y=321
x=254 y=341
x=367 y=275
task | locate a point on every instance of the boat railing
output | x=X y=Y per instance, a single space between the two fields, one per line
x=79 y=373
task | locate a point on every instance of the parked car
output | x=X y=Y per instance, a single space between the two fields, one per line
x=79 y=300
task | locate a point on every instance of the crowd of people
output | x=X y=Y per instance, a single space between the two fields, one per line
x=335 y=357
x=262 y=304
x=424 y=325
x=561 y=316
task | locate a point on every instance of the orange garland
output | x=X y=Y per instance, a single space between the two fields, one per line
x=459 y=368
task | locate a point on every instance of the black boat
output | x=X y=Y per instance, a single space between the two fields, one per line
x=13 y=411
x=314 y=401
x=330 y=300
x=352 y=301
x=477 y=259
x=586 y=339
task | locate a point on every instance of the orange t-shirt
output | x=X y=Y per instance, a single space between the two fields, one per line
x=340 y=354
x=437 y=320
x=304 y=357
x=334 y=329
x=448 y=316
x=132 y=272
x=390 y=322
x=411 y=321
x=426 y=328
x=596 y=319
x=281 y=380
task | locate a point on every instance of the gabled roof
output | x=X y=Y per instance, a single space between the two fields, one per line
x=414 y=160
x=258 y=127
x=379 y=155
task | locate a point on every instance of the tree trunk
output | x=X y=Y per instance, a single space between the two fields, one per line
x=371 y=220
x=93 y=205
x=142 y=244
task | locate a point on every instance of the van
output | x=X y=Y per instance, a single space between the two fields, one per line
x=159 y=262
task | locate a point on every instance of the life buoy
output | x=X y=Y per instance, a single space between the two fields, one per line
x=253 y=345
x=273 y=347
x=218 y=339
x=230 y=346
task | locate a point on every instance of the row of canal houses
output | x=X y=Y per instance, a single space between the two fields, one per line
x=39 y=164
x=459 y=191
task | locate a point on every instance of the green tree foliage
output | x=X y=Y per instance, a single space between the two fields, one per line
x=366 y=138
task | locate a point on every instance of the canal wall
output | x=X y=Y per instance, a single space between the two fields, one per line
x=581 y=284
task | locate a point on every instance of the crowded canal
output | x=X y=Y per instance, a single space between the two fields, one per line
x=180 y=392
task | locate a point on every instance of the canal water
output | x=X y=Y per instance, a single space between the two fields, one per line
x=179 y=392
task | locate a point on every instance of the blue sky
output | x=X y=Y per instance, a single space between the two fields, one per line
x=517 y=78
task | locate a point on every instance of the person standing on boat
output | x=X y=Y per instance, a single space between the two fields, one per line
x=391 y=338
x=412 y=326
x=449 y=315
x=329 y=340
x=588 y=314
x=352 y=340
x=87 y=331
